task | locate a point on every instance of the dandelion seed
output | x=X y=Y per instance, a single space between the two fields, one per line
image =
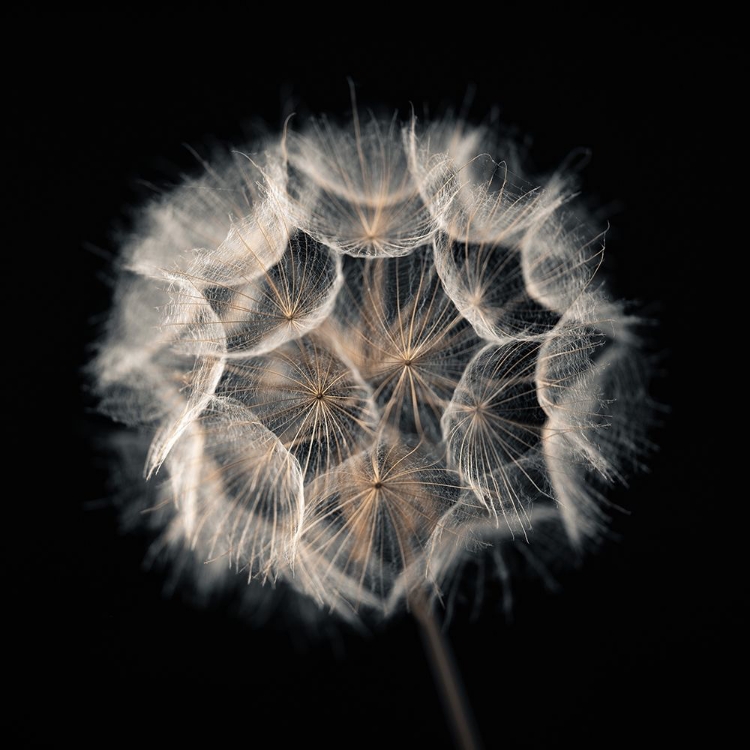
x=353 y=189
x=238 y=489
x=406 y=337
x=493 y=427
x=369 y=520
x=318 y=406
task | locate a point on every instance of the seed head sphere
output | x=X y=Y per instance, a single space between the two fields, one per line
x=364 y=353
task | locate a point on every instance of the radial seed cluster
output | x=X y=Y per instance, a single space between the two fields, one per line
x=364 y=352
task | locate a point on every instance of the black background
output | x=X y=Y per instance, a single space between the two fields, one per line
x=636 y=648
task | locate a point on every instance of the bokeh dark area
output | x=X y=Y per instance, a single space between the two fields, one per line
x=634 y=645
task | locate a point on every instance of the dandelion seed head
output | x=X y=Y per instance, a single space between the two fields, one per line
x=368 y=354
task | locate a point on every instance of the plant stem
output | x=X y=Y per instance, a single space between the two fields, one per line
x=447 y=677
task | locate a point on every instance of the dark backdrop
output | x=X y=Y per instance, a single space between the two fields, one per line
x=634 y=649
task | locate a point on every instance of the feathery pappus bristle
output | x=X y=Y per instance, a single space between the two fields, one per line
x=368 y=356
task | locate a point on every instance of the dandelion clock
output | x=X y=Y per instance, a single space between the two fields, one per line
x=364 y=354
